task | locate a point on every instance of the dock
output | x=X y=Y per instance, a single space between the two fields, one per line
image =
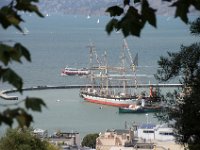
x=3 y=94
x=7 y=97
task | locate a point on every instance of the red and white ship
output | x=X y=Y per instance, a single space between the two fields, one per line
x=103 y=78
x=105 y=99
x=74 y=71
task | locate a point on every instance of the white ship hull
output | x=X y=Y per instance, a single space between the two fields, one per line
x=117 y=102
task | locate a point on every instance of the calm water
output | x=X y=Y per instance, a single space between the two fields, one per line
x=57 y=41
x=71 y=113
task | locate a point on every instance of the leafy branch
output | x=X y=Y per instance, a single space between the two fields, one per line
x=131 y=20
x=9 y=16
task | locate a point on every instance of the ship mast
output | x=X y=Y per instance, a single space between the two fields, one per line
x=124 y=82
x=91 y=53
x=106 y=71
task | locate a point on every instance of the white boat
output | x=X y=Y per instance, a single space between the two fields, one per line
x=97 y=21
x=99 y=91
x=25 y=31
x=74 y=71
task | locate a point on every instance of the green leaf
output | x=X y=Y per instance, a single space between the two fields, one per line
x=25 y=5
x=24 y=119
x=111 y=25
x=126 y=2
x=4 y=53
x=34 y=104
x=8 y=53
x=137 y=1
x=10 y=76
x=196 y=4
x=23 y=51
x=182 y=8
x=8 y=17
x=34 y=8
x=115 y=11
x=148 y=13
x=131 y=23
x=6 y=119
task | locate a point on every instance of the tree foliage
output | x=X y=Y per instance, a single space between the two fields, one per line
x=18 y=139
x=10 y=16
x=195 y=27
x=133 y=20
x=185 y=63
x=90 y=140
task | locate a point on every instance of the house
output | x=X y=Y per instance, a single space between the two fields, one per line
x=114 y=138
x=66 y=140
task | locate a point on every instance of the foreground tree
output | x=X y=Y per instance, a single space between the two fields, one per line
x=185 y=63
x=131 y=20
x=10 y=16
x=18 y=139
x=90 y=140
x=186 y=114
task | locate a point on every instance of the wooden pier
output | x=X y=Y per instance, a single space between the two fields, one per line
x=3 y=94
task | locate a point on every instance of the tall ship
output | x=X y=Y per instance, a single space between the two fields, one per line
x=111 y=85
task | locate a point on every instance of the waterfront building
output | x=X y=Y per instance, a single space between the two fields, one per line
x=143 y=137
x=114 y=138
x=155 y=132
x=66 y=140
x=40 y=133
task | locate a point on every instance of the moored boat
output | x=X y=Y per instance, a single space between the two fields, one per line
x=145 y=109
x=111 y=100
x=102 y=77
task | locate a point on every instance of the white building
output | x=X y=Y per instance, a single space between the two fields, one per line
x=155 y=132
x=40 y=133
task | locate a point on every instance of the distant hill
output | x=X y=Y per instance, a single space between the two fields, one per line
x=92 y=7
x=97 y=7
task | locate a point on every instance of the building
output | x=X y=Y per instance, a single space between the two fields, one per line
x=155 y=132
x=65 y=140
x=114 y=138
x=40 y=133
x=143 y=137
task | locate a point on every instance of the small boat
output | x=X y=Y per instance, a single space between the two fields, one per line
x=140 y=109
x=97 y=21
x=74 y=71
x=88 y=17
x=25 y=31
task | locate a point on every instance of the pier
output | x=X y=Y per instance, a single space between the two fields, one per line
x=3 y=94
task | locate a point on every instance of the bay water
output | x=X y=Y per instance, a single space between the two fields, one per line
x=60 y=40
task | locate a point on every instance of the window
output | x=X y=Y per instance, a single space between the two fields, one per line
x=148 y=131
x=166 y=133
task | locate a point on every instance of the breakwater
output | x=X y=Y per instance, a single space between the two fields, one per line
x=3 y=93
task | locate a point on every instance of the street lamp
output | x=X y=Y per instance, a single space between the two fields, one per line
x=147 y=116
